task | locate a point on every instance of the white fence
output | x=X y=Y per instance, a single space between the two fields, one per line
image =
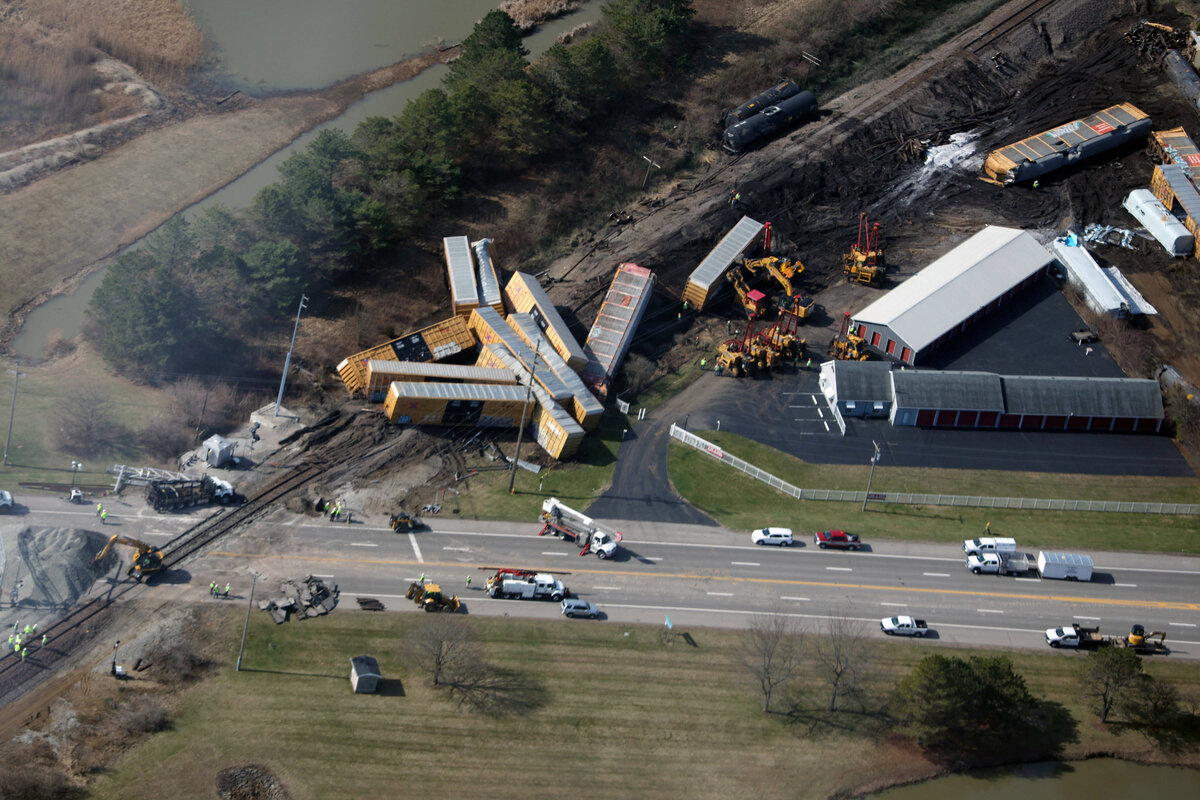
x=914 y=499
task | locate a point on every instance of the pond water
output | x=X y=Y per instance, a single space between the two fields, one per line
x=304 y=44
x=1095 y=779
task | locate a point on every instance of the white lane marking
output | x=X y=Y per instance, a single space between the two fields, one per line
x=1094 y=619
x=659 y=558
x=827 y=426
x=813 y=397
x=786 y=597
x=1028 y=580
x=363 y=544
x=1183 y=624
x=458 y=549
x=416 y=548
x=721 y=594
x=895 y=605
x=936 y=574
x=745 y=563
x=820 y=413
x=315 y=575
x=292 y=522
x=989 y=611
x=1126 y=585
x=840 y=569
x=547 y=553
x=607 y=588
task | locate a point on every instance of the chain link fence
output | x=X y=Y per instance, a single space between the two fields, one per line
x=915 y=499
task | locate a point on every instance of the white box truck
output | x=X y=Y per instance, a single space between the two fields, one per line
x=990 y=544
x=1065 y=566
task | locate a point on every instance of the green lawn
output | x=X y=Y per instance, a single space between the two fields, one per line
x=624 y=716
x=741 y=503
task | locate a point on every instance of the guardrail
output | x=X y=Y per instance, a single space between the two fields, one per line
x=916 y=499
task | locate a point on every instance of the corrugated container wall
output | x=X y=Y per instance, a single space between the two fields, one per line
x=556 y=432
x=460 y=269
x=616 y=323
x=440 y=340
x=381 y=375
x=489 y=275
x=583 y=405
x=455 y=404
x=713 y=267
x=524 y=294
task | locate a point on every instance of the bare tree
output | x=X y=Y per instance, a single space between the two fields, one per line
x=165 y=436
x=1108 y=675
x=443 y=645
x=772 y=651
x=87 y=423
x=839 y=652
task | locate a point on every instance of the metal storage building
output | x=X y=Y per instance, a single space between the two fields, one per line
x=583 y=405
x=381 y=374
x=946 y=296
x=1104 y=290
x=473 y=404
x=616 y=323
x=718 y=261
x=525 y=295
x=460 y=269
x=489 y=277
x=364 y=674
x=1170 y=184
x=1172 y=234
x=1066 y=145
x=440 y=340
x=864 y=390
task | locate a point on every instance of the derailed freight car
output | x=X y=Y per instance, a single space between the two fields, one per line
x=1065 y=145
x=769 y=121
x=779 y=92
x=440 y=340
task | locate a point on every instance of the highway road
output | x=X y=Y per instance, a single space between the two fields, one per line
x=696 y=575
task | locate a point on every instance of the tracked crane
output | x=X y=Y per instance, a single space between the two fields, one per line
x=146 y=560
x=864 y=262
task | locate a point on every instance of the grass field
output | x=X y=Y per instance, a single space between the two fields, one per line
x=624 y=716
x=741 y=503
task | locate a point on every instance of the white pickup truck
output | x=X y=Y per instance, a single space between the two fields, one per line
x=999 y=563
x=903 y=626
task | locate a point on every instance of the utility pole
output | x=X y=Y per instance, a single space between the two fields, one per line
x=287 y=363
x=871 y=477
x=17 y=375
x=512 y=467
x=246 y=625
x=649 y=165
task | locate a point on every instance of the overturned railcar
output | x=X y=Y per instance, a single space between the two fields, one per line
x=769 y=121
x=781 y=91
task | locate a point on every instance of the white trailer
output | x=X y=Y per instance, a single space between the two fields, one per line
x=1065 y=566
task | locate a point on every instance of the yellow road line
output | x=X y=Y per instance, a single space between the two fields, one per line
x=733 y=579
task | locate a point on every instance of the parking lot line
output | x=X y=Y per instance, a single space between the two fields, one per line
x=363 y=544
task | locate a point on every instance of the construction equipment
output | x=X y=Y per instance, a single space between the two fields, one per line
x=756 y=303
x=403 y=521
x=176 y=495
x=431 y=598
x=1147 y=644
x=731 y=357
x=524 y=584
x=146 y=560
x=847 y=345
x=785 y=272
x=574 y=526
x=864 y=262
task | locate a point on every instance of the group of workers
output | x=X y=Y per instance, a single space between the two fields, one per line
x=17 y=639
x=101 y=513
x=215 y=589
x=334 y=511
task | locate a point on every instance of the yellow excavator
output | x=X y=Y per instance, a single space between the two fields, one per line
x=1147 y=643
x=785 y=272
x=430 y=597
x=754 y=301
x=847 y=345
x=864 y=262
x=146 y=560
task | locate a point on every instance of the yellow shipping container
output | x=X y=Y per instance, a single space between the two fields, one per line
x=440 y=340
x=525 y=295
x=474 y=405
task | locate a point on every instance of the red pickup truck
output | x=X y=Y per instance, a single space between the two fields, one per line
x=836 y=539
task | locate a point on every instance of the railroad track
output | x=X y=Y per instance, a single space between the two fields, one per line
x=1007 y=25
x=72 y=632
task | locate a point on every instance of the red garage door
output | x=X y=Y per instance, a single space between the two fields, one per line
x=967 y=419
x=891 y=348
x=1123 y=424
x=1032 y=422
x=1147 y=425
x=906 y=355
x=1078 y=423
x=1009 y=421
x=875 y=339
x=1054 y=423
x=987 y=419
x=946 y=418
x=926 y=416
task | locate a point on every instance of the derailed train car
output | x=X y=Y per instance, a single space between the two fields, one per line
x=779 y=92
x=769 y=121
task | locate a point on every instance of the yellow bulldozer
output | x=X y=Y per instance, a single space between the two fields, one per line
x=430 y=597
x=847 y=345
x=146 y=560
x=864 y=262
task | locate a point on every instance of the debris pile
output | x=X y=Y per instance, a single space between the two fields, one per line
x=307 y=597
x=369 y=604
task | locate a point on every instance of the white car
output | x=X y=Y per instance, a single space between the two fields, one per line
x=779 y=536
x=6 y=502
x=574 y=607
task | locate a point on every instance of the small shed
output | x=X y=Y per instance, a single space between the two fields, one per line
x=364 y=674
x=217 y=450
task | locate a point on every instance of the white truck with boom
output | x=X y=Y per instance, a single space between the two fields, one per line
x=523 y=584
x=574 y=526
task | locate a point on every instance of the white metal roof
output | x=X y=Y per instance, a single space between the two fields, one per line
x=722 y=256
x=458 y=391
x=425 y=369
x=568 y=376
x=489 y=281
x=958 y=284
x=1133 y=298
x=461 y=268
x=1084 y=272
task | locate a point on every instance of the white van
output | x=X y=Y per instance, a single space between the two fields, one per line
x=989 y=544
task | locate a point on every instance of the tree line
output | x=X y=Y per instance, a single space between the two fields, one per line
x=196 y=292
